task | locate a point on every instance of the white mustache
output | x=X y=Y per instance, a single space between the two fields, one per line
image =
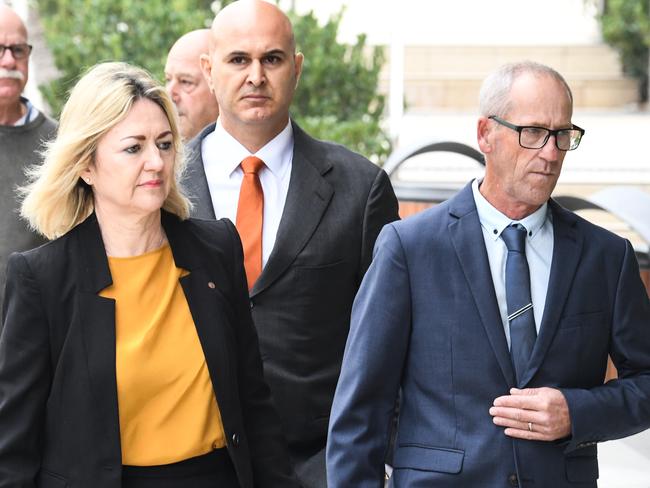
x=11 y=73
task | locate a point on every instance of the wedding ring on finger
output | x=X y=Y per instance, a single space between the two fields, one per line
x=530 y=426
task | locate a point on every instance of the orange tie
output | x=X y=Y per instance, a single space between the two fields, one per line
x=250 y=210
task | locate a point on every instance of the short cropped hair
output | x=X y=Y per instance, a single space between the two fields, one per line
x=494 y=97
x=56 y=198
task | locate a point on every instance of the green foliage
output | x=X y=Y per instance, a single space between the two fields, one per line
x=337 y=97
x=626 y=27
x=81 y=33
x=364 y=135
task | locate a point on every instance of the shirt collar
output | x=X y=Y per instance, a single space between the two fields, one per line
x=30 y=113
x=276 y=154
x=494 y=221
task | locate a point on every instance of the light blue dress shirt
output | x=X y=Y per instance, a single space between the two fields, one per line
x=539 y=253
x=30 y=114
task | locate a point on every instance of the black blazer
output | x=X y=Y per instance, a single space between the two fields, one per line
x=337 y=203
x=59 y=423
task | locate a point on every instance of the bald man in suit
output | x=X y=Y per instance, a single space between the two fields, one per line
x=323 y=207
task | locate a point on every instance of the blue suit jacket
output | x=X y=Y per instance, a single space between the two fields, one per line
x=426 y=320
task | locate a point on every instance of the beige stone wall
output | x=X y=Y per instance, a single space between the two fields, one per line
x=449 y=77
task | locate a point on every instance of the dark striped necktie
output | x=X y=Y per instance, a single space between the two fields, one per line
x=520 y=306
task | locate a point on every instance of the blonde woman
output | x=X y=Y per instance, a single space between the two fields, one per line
x=128 y=356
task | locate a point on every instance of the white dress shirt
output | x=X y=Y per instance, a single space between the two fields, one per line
x=539 y=253
x=222 y=155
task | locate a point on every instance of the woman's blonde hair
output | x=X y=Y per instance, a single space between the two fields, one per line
x=56 y=198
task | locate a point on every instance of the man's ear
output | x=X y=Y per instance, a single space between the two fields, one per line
x=297 y=61
x=484 y=134
x=206 y=69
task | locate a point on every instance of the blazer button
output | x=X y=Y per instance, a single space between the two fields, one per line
x=252 y=304
x=235 y=439
x=513 y=481
x=211 y=285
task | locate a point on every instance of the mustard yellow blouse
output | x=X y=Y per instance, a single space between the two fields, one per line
x=167 y=408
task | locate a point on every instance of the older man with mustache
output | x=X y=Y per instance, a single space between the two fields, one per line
x=23 y=129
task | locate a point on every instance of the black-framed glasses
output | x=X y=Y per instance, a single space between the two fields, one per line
x=532 y=137
x=18 y=51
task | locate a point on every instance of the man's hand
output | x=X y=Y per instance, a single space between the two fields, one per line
x=543 y=409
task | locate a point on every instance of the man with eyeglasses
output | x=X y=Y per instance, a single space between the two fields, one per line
x=23 y=128
x=197 y=107
x=494 y=314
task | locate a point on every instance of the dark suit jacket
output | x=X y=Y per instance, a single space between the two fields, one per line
x=426 y=319
x=59 y=422
x=337 y=203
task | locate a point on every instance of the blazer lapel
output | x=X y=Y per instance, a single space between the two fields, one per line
x=97 y=321
x=210 y=312
x=210 y=317
x=567 y=248
x=467 y=238
x=195 y=180
x=308 y=197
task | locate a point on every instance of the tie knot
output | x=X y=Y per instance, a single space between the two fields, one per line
x=515 y=237
x=251 y=164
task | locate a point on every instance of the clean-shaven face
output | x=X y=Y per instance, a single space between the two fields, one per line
x=186 y=85
x=520 y=178
x=253 y=69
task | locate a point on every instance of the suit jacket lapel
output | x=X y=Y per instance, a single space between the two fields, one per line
x=207 y=306
x=567 y=247
x=308 y=197
x=195 y=180
x=97 y=321
x=209 y=313
x=467 y=238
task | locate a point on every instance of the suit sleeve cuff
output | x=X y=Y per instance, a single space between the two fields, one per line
x=583 y=420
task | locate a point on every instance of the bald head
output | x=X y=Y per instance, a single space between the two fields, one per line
x=13 y=71
x=194 y=42
x=11 y=21
x=196 y=104
x=244 y=15
x=253 y=69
